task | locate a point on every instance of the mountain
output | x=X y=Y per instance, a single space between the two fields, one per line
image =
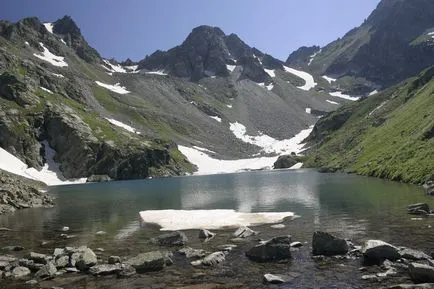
x=389 y=135
x=394 y=43
x=61 y=103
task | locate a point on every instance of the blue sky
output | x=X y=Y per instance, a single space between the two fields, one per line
x=135 y=28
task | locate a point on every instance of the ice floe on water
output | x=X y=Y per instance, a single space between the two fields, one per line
x=49 y=27
x=46 y=90
x=115 y=88
x=329 y=79
x=49 y=174
x=171 y=220
x=344 y=96
x=231 y=68
x=332 y=102
x=50 y=57
x=270 y=72
x=308 y=78
x=122 y=125
x=216 y=118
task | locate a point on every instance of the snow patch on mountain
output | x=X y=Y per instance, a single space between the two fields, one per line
x=27 y=43
x=46 y=90
x=231 y=68
x=374 y=92
x=308 y=78
x=259 y=59
x=50 y=57
x=57 y=75
x=122 y=125
x=158 y=72
x=270 y=72
x=329 y=79
x=332 y=102
x=112 y=67
x=344 y=96
x=49 y=174
x=312 y=57
x=49 y=27
x=308 y=110
x=268 y=87
x=216 y=118
x=115 y=88
x=229 y=105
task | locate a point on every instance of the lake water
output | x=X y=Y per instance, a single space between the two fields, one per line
x=350 y=206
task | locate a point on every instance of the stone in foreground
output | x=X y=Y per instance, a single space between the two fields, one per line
x=419 y=209
x=273 y=279
x=413 y=286
x=214 y=259
x=205 y=234
x=244 y=232
x=105 y=269
x=20 y=272
x=176 y=238
x=378 y=251
x=421 y=273
x=326 y=244
x=275 y=249
x=148 y=262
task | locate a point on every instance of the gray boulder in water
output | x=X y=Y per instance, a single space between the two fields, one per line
x=278 y=248
x=377 y=251
x=419 y=209
x=176 y=238
x=421 y=273
x=326 y=244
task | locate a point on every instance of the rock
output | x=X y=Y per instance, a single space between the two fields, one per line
x=296 y=244
x=83 y=259
x=147 y=262
x=126 y=271
x=176 y=238
x=227 y=247
x=429 y=188
x=58 y=251
x=285 y=162
x=38 y=258
x=192 y=253
x=244 y=232
x=20 y=272
x=273 y=279
x=13 y=248
x=413 y=286
x=213 y=259
x=65 y=229
x=30 y=264
x=419 y=209
x=278 y=226
x=378 y=251
x=105 y=269
x=411 y=254
x=61 y=261
x=32 y=282
x=275 y=249
x=99 y=233
x=71 y=270
x=421 y=273
x=2 y=229
x=3 y=265
x=98 y=179
x=326 y=244
x=114 y=259
x=47 y=271
x=205 y=234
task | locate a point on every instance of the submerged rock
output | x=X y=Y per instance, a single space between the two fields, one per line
x=38 y=258
x=275 y=249
x=421 y=273
x=105 y=269
x=411 y=254
x=147 y=262
x=176 y=238
x=378 y=251
x=326 y=244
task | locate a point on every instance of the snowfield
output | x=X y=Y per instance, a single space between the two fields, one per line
x=50 y=173
x=270 y=72
x=308 y=78
x=49 y=27
x=332 y=102
x=312 y=57
x=122 y=125
x=46 y=89
x=329 y=79
x=268 y=87
x=172 y=220
x=216 y=118
x=115 y=88
x=158 y=72
x=50 y=57
x=231 y=68
x=344 y=96
x=57 y=75
x=113 y=68
x=374 y=92
x=308 y=110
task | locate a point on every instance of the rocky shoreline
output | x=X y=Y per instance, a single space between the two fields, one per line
x=17 y=192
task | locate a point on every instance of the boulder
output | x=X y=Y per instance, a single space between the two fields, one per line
x=421 y=273
x=83 y=259
x=126 y=271
x=147 y=262
x=61 y=261
x=98 y=179
x=296 y=244
x=419 y=209
x=205 y=234
x=273 y=279
x=30 y=264
x=275 y=249
x=413 y=286
x=176 y=238
x=114 y=259
x=20 y=272
x=105 y=269
x=214 y=259
x=429 y=188
x=244 y=232
x=38 y=258
x=411 y=254
x=48 y=271
x=285 y=162
x=378 y=251
x=192 y=253
x=326 y=244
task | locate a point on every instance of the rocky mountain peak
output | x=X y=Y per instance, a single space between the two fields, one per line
x=302 y=57
x=66 y=25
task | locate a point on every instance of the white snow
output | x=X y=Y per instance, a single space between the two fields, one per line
x=254 y=56
x=308 y=78
x=115 y=88
x=159 y=72
x=50 y=57
x=269 y=144
x=270 y=72
x=329 y=79
x=26 y=43
x=345 y=96
x=311 y=58
x=171 y=220
x=374 y=92
x=204 y=150
x=377 y=108
x=332 y=102
x=308 y=110
x=112 y=67
x=230 y=67
x=431 y=34
x=49 y=27
x=216 y=118
x=132 y=69
x=57 y=75
x=50 y=173
x=296 y=166
x=46 y=89
x=268 y=87
x=122 y=125
x=63 y=41
x=229 y=105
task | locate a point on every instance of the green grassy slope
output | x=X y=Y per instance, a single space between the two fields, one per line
x=389 y=135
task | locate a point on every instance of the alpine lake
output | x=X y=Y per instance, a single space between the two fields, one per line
x=347 y=206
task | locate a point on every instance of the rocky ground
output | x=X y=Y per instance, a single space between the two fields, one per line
x=17 y=192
